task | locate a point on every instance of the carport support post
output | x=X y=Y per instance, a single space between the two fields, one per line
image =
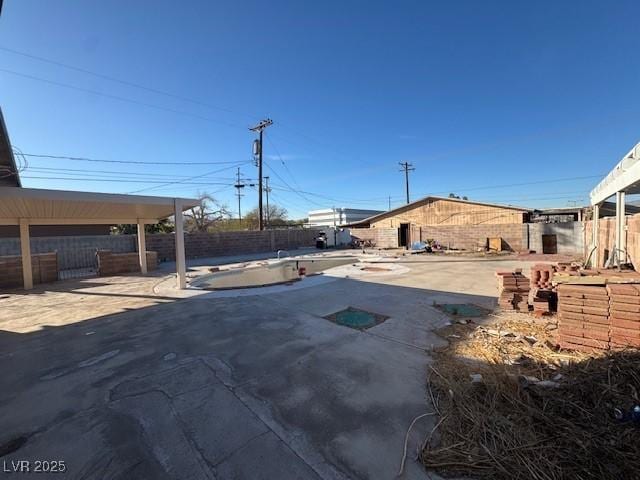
x=595 y=259
x=181 y=269
x=620 y=256
x=142 y=248
x=25 y=249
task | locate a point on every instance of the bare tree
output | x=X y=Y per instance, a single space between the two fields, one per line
x=205 y=216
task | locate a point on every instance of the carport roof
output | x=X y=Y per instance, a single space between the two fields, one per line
x=624 y=177
x=59 y=207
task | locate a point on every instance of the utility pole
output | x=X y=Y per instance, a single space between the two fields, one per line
x=257 y=151
x=389 y=202
x=239 y=186
x=406 y=167
x=267 y=189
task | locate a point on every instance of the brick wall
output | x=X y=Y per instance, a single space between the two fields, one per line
x=44 y=268
x=198 y=245
x=607 y=239
x=380 y=237
x=110 y=263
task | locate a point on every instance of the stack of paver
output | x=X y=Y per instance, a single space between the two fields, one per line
x=624 y=315
x=514 y=290
x=544 y=298
x=584 y=317
x=541 y=275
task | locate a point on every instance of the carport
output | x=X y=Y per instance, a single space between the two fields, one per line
x=27 y=206
x=622 y=180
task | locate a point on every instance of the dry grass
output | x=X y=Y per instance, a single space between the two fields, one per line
x=505 y=427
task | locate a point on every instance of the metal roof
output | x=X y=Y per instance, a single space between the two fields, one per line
x=9 y=176
x=59 y=207
x=431 y=197
x=624 y=177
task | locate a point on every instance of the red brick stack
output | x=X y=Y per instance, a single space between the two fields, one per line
x=624 y=315
x=541 y=276
x=544 y=297
x=584 y=317
x=514 y=290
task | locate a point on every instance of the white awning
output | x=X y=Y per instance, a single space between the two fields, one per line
x=59 y=207
x=625 y=177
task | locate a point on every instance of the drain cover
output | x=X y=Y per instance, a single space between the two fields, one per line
x=356 y=318
x=463 y=309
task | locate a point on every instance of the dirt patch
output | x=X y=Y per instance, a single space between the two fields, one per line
x=512 y=405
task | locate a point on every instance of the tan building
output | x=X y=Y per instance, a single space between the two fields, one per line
x=432 y=213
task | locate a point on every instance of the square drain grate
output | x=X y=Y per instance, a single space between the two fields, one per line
x=355 y=318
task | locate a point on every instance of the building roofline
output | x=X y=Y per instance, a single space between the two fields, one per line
x=433 y=197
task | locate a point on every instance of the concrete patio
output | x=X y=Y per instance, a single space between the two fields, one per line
x=119 y=381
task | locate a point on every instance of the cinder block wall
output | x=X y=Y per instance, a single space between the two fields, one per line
x=381 y=237
x=73 y=252
x=474 y=237
x=110 y=263
x=569 y=236
x=44 y=268
x=198 y=245
x=607 y=239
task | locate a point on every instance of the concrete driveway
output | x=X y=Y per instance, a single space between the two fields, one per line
x=250 y=387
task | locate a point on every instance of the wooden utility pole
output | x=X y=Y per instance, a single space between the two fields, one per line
x=260 y=128
x=239 y=186
x=406 y=167
x=267 y=190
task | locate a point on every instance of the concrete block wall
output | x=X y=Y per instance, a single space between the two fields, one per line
x=44 y=268
x=110 y=263
x=73 y=252
x=569 y=236
x=474 y=237
x=381 y=237
x=199 y=245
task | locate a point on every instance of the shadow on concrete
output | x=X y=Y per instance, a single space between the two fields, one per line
x=227 y=386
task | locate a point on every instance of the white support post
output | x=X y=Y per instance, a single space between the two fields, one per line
x=619 y=228
x=25 y=250
x=142 y=248
x=181 y=269
x=595 y=242
x=622 y=247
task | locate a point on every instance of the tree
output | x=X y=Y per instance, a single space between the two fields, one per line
x=163 y=226
x=277 y=216
x=205 y=216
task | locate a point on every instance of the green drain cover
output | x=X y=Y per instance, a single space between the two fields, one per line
x=356 y=318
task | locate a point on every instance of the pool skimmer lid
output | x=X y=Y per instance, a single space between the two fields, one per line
x=355 y=318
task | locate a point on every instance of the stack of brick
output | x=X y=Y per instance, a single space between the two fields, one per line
x=584 y=317
x=544 y=301
x=624 y=315
x=514 y=290
x=542 y=275
x=544 y=298
x=110 y=263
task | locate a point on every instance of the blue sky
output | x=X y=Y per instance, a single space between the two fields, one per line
x=477 y=95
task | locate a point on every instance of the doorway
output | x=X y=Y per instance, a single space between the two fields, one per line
x=403 y=235
x=549 y=244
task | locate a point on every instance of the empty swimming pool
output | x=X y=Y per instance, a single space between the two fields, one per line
x=271 y=273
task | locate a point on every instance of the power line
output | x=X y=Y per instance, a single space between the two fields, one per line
x=118 y=97
x=121 y=180
x=73 y=171
x=132 y=162
x=121 y=81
